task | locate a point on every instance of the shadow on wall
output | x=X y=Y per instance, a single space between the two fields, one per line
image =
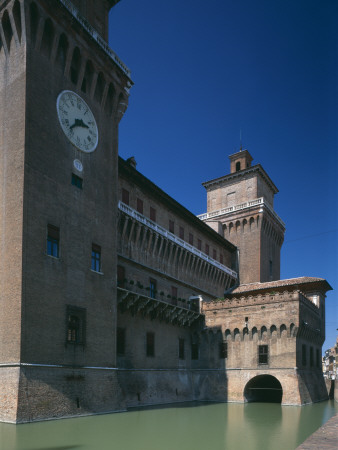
x=312 y=386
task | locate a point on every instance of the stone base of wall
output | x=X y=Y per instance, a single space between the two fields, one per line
x=299 y=387
x=149 y=387
x=33 y=393
x=9 y=390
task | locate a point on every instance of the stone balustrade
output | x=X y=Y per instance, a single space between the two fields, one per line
x=241 y=207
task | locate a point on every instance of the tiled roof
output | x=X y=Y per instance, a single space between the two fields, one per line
x=302 y=282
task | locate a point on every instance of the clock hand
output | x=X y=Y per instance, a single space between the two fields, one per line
x=78 y=123
x=82 y=124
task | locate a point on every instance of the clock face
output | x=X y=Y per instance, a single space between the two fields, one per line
x=77 y=121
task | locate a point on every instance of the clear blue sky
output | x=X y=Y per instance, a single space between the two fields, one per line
x=203 y=71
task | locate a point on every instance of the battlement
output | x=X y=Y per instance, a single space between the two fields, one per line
x=259 y=299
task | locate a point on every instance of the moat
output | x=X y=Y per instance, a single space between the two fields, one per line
x=185 y=426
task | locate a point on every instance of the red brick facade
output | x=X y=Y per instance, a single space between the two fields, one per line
x=112 y=293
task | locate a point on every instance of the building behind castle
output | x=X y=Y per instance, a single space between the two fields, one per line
x=112 y=293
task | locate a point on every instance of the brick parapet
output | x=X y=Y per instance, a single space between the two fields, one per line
x=251 y=300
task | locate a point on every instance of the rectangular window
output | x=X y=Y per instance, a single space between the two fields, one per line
x=171 y=226
x=120 y=341
x=221 y=258
x=76 y=325
x=311 y=356
x=53 y=241
x=77 y=181
x=304 y=355
x=199 y=244
x=194 y=350
x=96 y=258
x=181 y=232
x=125 y=196
x=214 y=254
x=121 y=276
x=150 y=344
x=191 y=239
x=207 y=249
x=152 y=214
x=152 y=288
x=262 y=354
x=223 y=350
x=174 y=295
x=181 y=348
x=139 y=205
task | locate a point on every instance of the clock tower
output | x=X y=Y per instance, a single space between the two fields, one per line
x=240 y=206
x=63 y=92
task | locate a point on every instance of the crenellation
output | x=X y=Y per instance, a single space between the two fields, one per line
x=259 y=299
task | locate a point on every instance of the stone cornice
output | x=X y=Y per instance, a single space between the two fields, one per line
x=242 y=173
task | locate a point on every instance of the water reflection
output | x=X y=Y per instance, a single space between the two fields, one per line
x=182 y=427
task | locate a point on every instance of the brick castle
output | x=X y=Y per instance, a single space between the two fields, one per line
x=113 y=294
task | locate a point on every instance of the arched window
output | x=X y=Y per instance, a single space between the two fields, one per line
x=238 y=166
x=34 y=22
x=88 y=77
x=228 y=335
x=110 y=100
x=100 y=83
x=7 y=28
x=273 y=331
x=61 y=55
x=245 y=333
x=283 y=331
x=237 y=335
x=17 y=18
x=47 y=38
x=75 y=66
x=254 y=334
x=264 y=333
x=231 y=227
x=292 y=329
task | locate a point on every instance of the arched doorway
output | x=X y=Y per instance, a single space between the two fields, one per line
x=263 y=388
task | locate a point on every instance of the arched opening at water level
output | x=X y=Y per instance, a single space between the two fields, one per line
x=263 y=388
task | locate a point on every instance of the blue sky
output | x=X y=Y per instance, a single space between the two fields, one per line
x=203 y=71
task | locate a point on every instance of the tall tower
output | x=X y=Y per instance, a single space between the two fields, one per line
x=240 y=207
x=63 y=92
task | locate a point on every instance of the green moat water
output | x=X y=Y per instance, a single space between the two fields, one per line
x=262 y=426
